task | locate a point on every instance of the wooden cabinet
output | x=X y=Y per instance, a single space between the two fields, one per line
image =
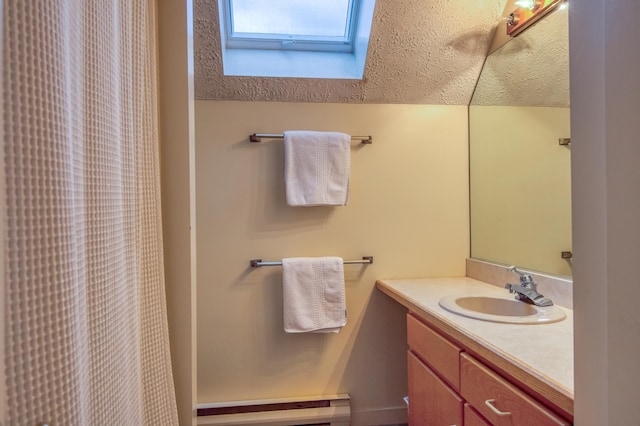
x=499 y=401
x=431 y=400
x=448 y=386
x=435 y=350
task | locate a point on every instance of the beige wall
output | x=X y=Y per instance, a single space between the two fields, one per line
x=521 y=186
x=605 y=93
x=408 y=208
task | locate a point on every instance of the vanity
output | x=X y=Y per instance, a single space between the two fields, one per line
x=469 y=371
x=476 y=356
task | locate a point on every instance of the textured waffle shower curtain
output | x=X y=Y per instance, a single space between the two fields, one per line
x=85 y=324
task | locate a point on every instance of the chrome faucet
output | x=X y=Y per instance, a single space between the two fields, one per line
x=527 y=290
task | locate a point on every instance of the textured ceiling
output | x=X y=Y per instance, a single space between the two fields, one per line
x=420 y=52
x=531 y=70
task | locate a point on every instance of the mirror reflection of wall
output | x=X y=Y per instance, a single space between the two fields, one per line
x=520 y=174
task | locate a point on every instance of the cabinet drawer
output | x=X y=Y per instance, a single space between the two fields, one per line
x=431 y=401
x=484 y=389
x=435 y=350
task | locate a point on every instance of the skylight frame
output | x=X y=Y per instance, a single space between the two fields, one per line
x=288 y=42
x=297 y=63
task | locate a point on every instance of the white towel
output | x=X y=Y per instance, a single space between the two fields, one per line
x=316 y=168
x=313 y=294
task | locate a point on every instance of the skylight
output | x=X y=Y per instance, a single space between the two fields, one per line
x=330 y=36
x=285 y=19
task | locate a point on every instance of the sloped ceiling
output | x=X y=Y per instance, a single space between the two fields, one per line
x=420 y=52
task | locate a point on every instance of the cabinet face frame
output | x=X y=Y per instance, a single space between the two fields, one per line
x=472 y=418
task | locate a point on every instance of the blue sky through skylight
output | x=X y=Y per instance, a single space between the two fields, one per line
x=328 y=18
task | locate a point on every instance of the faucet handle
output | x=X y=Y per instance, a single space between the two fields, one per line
x=525 y=279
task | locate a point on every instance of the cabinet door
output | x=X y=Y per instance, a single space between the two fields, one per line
x=438 y=353
x=431 y=401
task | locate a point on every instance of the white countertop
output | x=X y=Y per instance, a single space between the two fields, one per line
x=543 y=351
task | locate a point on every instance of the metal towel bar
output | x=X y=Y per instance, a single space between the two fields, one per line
x=256 y=137
x=256 y=263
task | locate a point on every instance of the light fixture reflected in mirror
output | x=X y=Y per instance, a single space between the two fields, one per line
x=527 y=13
x=529 y=4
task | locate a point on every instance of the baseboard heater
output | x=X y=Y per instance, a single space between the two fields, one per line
x=333 y=410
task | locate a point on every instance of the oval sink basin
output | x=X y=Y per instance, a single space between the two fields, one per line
x=497 y=309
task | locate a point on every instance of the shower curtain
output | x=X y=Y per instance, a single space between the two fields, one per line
x=85 y=324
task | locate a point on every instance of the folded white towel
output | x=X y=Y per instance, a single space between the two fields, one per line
x=313 y=294
x=316 y=168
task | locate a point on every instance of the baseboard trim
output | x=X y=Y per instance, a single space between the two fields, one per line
x=333 y=410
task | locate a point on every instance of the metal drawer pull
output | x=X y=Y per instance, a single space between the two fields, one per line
x=489 y=403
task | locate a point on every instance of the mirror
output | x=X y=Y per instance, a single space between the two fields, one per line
x=520 y=187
